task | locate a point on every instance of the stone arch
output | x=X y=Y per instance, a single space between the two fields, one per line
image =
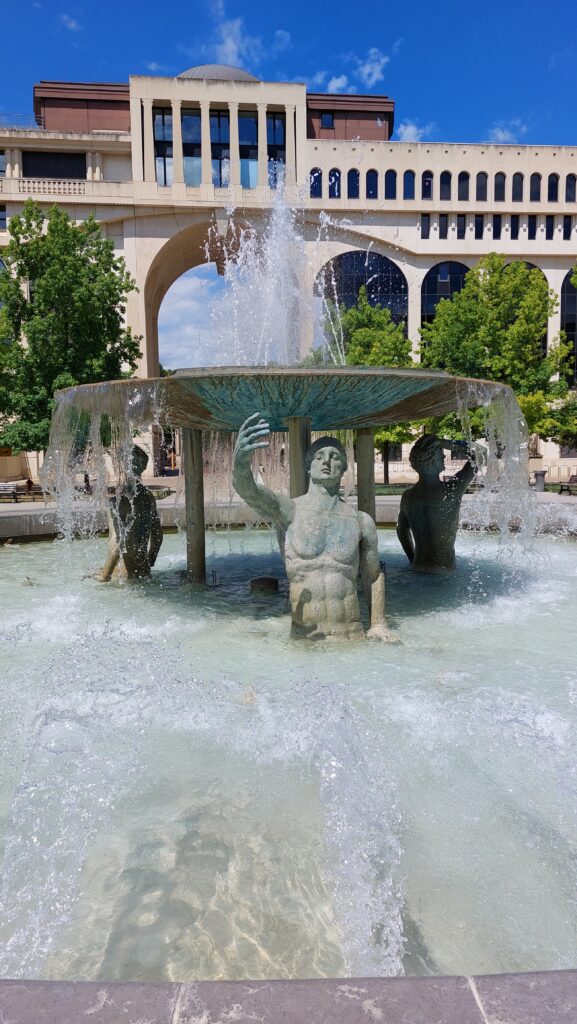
x=341 y=277
x=440 y=282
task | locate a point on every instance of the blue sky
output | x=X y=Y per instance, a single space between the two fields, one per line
x=458 y=72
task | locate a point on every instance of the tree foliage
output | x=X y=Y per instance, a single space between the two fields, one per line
x=371 y=337
x=62 y=322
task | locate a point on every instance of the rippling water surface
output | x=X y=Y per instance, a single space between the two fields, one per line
x=187 y=794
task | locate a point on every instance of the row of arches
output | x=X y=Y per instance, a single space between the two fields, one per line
x=386 y=285
x=397 y=186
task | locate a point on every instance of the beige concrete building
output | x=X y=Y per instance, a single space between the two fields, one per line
x=160 y=160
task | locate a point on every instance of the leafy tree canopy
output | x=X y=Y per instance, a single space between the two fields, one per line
x=371 y=337
x=62 y=320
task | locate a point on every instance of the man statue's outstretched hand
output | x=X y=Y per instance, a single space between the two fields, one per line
x=253 y=434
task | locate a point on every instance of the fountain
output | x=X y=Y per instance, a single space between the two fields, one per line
x=189 y=795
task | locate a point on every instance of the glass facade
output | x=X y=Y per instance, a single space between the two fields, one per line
x=2 y=164
x=2 y=224
x=190 y=121
x=162 y=128
x=220 y=147
x=442 y=281
x=248 y=148
x=276 y=148
x=385 y=283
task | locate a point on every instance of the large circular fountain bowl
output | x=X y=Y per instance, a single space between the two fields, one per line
x=220 y=398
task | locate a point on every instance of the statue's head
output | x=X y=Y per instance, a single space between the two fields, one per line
x=139 y=460
x=326 y=459
x=427 y=454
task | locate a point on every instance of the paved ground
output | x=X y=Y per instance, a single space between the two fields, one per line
x=545 y=998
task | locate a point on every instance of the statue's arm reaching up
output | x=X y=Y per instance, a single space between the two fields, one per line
x=254 y=434
x=461 y=450
x=373 y=578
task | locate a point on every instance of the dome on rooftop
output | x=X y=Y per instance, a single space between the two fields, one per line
x=219 y=73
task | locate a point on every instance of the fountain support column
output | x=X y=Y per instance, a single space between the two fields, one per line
x=299 y=432
x=194 y=504
x=366 y=471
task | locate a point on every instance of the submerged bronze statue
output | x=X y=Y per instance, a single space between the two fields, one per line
x=134 y=533
x=324 y=540
x=429 y=512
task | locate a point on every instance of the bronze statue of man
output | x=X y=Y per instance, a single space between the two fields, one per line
x=324 y=540
x=429 y=512
x=135 y=533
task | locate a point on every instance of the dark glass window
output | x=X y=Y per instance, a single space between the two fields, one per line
x=514 y=227
x=276 y=148
x=443 y=225
x=567 y=229
x=441 y=281
x=2 y=164
x=372 y=185
x=353 y=184
x=569 y=317
x=248 y=148
x=532 y=226
x=220 y=147
x=463 y=186
x=391 y=185
x=549 y=227
x=553 y=188
x=481 y=193
x=461 y=225
x=517 y=188
x=497 y=223
x=535 y=188
x=445 y=186
x=162 y=130
x=479 y=225
x=327 y=119
x=409 y=185
x=190 y=120
x=570 y=188
x=425 y=225
x=499 y=187
x=427 y=185
x=342 y=277
x=334 y=183
x=316 y=183
x=2 y=224
x=53 y=165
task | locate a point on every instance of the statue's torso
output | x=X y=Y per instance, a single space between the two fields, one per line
x=433 y=515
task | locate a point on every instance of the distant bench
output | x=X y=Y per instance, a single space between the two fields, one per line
x=16 y=492
x=571 y=486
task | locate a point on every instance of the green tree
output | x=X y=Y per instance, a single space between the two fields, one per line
x=495 y=328
x=64 y=294
x=372 y=338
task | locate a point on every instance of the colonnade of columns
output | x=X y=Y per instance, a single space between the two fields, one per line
x=143 y=153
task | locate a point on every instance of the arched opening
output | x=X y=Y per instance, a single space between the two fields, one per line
x=445 y=186
x=342 y=277
x=499 y=187
x=441 y=281
x=569 y=318
x=184 y=328
x=535 y=188
x=553 y=188
x=372 y=185
x=391 y=185
x=481 y=187
x=316 y=183
x=334 y=183
x=427 y=185
x=463 y=186
x=409 y=185
x=517 y=195
x=570 y=188
x=353 y=184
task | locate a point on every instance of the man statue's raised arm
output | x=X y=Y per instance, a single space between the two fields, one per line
x=254 y=434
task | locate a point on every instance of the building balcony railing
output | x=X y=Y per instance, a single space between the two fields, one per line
x=51 y=186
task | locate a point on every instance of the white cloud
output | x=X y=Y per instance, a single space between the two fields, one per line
x=410 y=131
x=506 y=132
x=338 y=83
x=282 y=41
x=153 y=66
x=184 y=325
x=70 y=23
x=370 y=69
